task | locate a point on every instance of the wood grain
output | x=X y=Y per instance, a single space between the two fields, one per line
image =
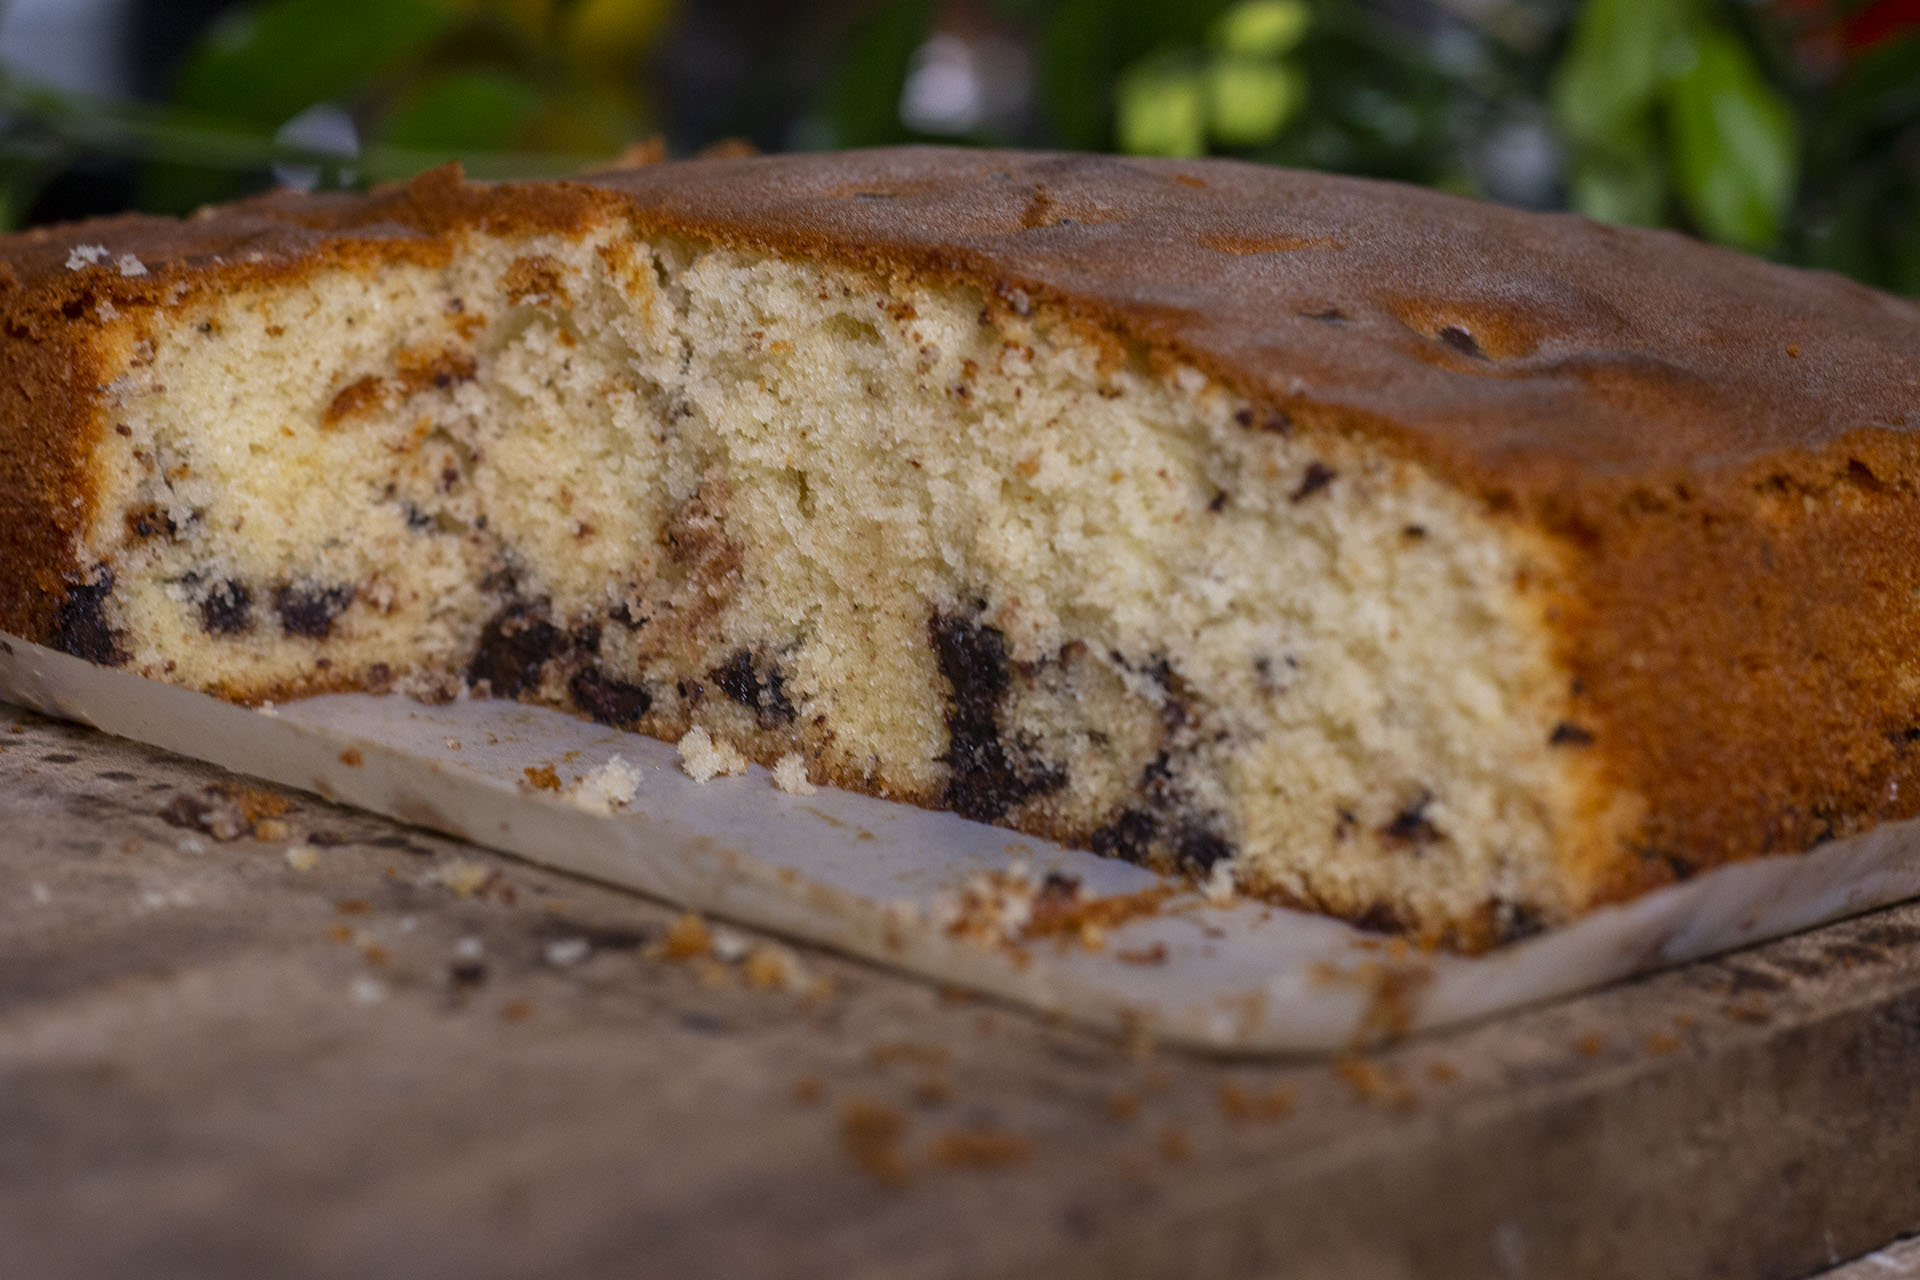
x=213 y=1063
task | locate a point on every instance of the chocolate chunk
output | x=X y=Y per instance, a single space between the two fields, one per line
x=227 y=609
x=1566 y=734
x=80 y=623
x=985 y=780
x=1128 y=836
x=1318 y=476
x=515 y=646
x=611 y=702
x=1410 y=825
x=308 y=610
x=1197 y=848
x=764 y=692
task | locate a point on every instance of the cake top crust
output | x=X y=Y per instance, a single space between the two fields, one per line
x=1527 y=349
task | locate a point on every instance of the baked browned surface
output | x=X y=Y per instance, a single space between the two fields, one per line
x=1718 y=449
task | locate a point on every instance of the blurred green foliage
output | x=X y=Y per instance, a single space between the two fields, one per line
x=1784 y=127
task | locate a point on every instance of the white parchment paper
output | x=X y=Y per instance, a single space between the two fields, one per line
x=863 y=875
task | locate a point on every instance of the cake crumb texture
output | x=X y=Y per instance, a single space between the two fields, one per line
x=1449 y=568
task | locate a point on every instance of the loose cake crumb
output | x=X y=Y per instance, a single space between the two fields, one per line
x=271 y=829
x=704 y=759
x=542 y=778
x=790 y=775
x=462 y=876
x=1240 y=1104
x=564 y=953
x=611 y=786
x=687 y=939
x=871 y=1132
x=980 y=1149
x=302 y=857
x=770 y=967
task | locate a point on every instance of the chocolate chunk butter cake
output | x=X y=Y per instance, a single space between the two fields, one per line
x=1450 y=568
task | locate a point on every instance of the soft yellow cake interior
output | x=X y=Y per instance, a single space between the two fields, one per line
x=953 y=548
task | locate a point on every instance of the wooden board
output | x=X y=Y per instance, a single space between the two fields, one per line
x=213 y=1063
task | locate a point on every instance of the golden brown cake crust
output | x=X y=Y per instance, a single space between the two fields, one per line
x=1721 y=451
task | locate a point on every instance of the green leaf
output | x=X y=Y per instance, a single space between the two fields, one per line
x=463 y=111
x=1626 y=188
x=1160 y=108
x=261 y=65
x=1262 y=28
x=1249 y=100
x=1614 y=68
x=1734 y=145
x=863 y=92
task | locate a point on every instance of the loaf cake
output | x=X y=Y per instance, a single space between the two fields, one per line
x=1446 y=567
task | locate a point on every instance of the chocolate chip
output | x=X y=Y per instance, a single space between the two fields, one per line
x=1566 y=734
x=1128 y=836
x=764 y=692
x=611 y=702
x=1318 y=476
x=1198 y=848
x=80 y=623
x=515 y=646
x=227 y=609
x=984 y=780
x=1513 y=921
x=1410 y=825
x=1332 y=315
x=307 y=609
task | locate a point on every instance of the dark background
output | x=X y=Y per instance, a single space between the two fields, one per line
x=1789 y=128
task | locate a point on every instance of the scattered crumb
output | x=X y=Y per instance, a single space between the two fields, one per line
x=191 y=844
x=82 y=256
x=464 y=877
x=543 y=778
x=1220 y=888
x=302 y=857
x=687 y=939
x=790 y=775
x=1175 y=1145
x=980 y=1149
x=1122 y=1106
x=890 y=1052
x=375 y=953
x=564 y=953
x=1372 y=1082
x=468 y=947
x=1660 y=1042
x=353 y=906
x=773 y=968
x=932 y=1092
x=352 y=758
x=516 y=1010
x=871 y=1133
x=228 y=810
x=611 y=786
x=728 y=946
x=1154 y=954
x=1747 y=1011
x=1590 y=1045
x=271 y=829
x=807 y=1090
x=1241 y=1104
x=367 y=990
x=1440 y=1071
x=704 y=759
x=340 y=933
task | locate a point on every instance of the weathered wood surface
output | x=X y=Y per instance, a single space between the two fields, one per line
x=213 y=1063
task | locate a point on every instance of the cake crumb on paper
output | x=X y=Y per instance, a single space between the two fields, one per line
x=609 y=787
x=790 y=775
x=302 y=857
x=704 y=759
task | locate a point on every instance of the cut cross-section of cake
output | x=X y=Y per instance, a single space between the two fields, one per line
x=1450 y=568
